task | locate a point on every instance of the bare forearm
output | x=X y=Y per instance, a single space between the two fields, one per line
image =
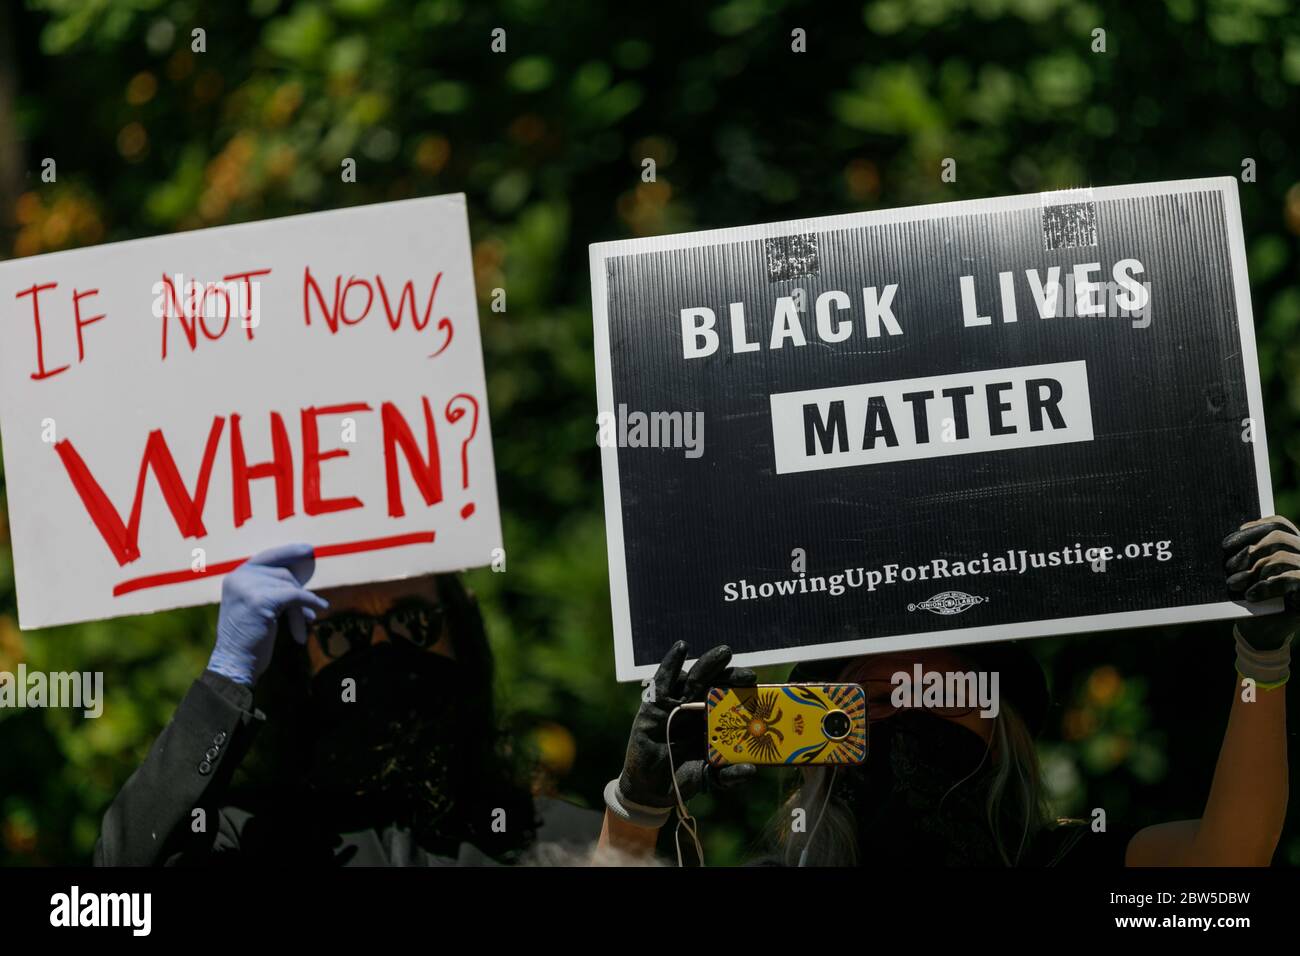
x=627 y=837
x=1247 y=803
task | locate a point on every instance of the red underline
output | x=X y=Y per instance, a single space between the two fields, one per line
x=324 y=551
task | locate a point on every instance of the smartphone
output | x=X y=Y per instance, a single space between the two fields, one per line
x=794 y=724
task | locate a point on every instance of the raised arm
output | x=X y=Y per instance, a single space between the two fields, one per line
x=640 y=800
x=170 y=810
x=1246 y=806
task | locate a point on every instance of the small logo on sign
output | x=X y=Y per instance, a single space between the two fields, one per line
x=1069 y=225
x=948 y=602
x=791 y=257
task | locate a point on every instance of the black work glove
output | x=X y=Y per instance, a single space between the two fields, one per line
x=1262 y=560
x=646 y=778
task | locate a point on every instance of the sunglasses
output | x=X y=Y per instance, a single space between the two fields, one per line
x=416 y=622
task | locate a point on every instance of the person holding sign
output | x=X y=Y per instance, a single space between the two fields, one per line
x=948 y=786
x=379 y=745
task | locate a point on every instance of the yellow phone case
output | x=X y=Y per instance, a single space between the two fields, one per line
x=775 y=724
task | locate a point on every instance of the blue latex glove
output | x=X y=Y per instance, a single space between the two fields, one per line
x=253 y=597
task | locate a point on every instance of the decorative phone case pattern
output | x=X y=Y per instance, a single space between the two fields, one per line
x=782 y=724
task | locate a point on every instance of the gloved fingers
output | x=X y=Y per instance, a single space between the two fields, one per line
x=1266 y=567
x=297 y=623
x=669 y=671
x=1271 y=543
x=692 y=778
x=299 y=558
x=707 y=670
x=281 y=555
x=303 y=568
x=1283 y=583
x=310 y=599
x=1248 y=534
x=700 y=776
x=736 y=677
x=1269 y=633
x=1283 y=520
x=1278 y=564
x=1253 y=531
x=735 y=775
x=281 y=575
x=688 y=736
x=282 y=596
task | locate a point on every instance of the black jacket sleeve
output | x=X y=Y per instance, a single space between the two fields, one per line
x=169 y=811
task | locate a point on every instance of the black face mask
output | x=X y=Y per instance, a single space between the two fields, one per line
x=920 y=798
x=389 y=753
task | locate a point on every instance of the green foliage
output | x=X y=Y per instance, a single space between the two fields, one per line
x=547 y=141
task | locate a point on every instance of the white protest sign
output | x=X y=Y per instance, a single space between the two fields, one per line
x=171 y=406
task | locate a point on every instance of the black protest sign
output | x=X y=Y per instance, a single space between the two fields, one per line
x=965 y=422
